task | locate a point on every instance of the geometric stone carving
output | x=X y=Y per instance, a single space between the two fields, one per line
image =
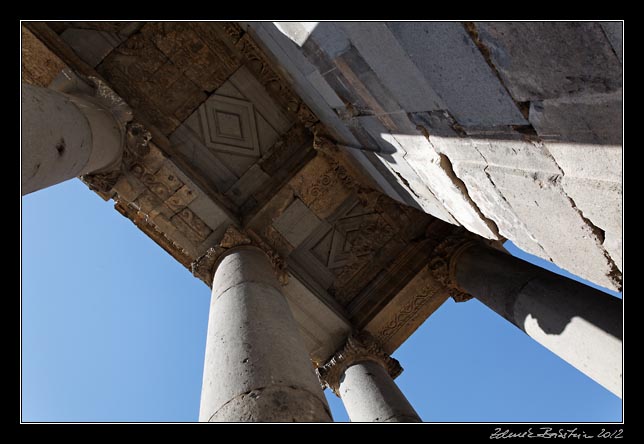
x=356 y=233
x=228 y=125
x=359 y=347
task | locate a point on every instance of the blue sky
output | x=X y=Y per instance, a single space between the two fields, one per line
x=113 y=329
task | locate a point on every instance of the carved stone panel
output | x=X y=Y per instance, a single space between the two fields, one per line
x=228 y=125
x=395 y=322
x=341 y=246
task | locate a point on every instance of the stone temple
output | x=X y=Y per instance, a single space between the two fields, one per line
x=335 y=182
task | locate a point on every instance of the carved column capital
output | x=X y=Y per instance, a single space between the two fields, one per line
x=204 y=266
x=443 y=263
x=358 y=348
x=135 y=137
x=135 y=147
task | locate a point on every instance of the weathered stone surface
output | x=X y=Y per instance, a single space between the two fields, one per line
x=581 y=325
x=457 y=71
x=386 y=57
x=330 y=38
x=91 y=45
x=82 y=137
x=321 y=86
x=39 y=64
x=129 y=188
x=370 y=395
x=275 y=403
x=395 y=322
x=164 y=70
x=436 y=171
x=254 y=353
x=468 y=164
x=256 y=93
x=615 y=33
x=584 y=135
x=296 y=223
x=297 y=67
x=539 y=200
x=181 y=198
x=322 y=323
x=593 y=180
x=586 y=119
x=350 y=248
x=247 y=184
x=394 y=160
x=544 y=60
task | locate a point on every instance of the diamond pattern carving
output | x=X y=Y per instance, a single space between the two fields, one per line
x=228 y=125
x=356 y=235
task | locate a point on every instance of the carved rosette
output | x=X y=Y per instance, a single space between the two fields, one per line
x=204 y=266
x=443 y=264
x=359 y=347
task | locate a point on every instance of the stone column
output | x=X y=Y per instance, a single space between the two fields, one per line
x=256 y=368
x=362 y=375
x=581 y=325
x=67 y=135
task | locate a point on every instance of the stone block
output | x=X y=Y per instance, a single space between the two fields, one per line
x=593 y=180
x=296 y=223
x=392 y=66
x=457 y=72
x=209 y=212
x=399 y=168
x=540 y=202
x=586 y=119
x=255 y=92
x=181 y=198
x=434 y=171
x=329 y=37
x=129 y=187
x=188 y=143
x=615 y=33
x=250 y=182
x=322 y=87
x=495 y=207
x=40 y=66
x=545 y=60
x=91 y=45
x=396 y=321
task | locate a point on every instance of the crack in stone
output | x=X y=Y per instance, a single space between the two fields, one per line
x=260 y=283
x=261 y=389
x=517 y=220
x=614 y=275
x=446 y=165
x=470 y=28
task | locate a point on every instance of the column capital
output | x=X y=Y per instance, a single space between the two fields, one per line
x=134 y=136
x=443 y=261
x=204 y=266
x=358 y=348
x=137 y=138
